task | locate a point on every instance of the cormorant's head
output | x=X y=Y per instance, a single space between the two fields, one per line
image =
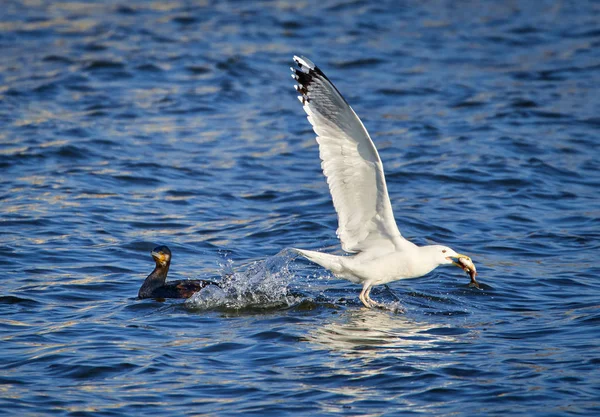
x=161 y=255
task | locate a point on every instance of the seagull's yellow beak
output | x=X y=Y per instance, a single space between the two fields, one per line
x=462 y=261
x=466 y=264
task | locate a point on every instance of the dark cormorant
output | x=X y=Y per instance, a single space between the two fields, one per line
x=156 y=286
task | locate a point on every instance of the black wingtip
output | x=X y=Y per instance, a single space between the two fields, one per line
x=304 y=79
x=304 y=62
x=304 y=75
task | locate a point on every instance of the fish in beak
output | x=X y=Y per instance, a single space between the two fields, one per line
x=466 y=264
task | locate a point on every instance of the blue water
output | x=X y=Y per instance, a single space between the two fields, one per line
x=129 y=125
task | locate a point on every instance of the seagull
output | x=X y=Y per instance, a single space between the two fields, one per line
x=366 y=226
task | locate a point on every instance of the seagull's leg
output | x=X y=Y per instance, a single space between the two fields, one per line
x=368 y=297
x=364 y=295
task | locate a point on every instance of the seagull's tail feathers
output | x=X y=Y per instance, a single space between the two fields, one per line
x=327 y=261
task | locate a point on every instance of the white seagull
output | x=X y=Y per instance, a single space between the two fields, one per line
x=366 y=224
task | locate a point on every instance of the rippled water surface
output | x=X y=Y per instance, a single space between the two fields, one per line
x=125 y=125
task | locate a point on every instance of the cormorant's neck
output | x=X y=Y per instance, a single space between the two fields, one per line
x=155 y=280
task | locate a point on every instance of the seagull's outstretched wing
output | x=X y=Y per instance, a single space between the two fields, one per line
x=350 y=162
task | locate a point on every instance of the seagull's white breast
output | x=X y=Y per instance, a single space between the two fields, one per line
x=365 y=267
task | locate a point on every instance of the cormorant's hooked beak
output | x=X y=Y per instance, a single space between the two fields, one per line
x=159 y=257
x=466 y=264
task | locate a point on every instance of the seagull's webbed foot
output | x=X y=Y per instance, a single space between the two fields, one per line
x=365 y=297
x=377 y=304
x=366 y=301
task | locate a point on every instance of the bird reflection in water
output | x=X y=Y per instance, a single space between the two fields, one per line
x=373 y=332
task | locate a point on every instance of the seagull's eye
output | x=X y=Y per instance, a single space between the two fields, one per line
x=443 y=250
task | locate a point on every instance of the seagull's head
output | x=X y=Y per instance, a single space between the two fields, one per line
x=447 y=256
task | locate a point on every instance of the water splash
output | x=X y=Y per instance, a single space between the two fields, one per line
x=262 y=285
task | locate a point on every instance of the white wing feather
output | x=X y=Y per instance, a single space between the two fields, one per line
x=351 y=164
